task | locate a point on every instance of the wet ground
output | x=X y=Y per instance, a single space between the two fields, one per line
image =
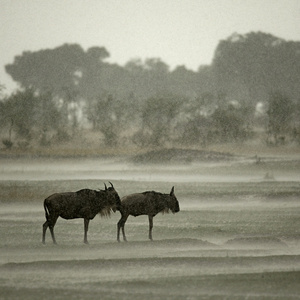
x=237 y=235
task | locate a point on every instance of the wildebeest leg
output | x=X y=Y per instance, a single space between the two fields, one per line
x=121 y=224
x=150 y=226
x=51 y=223
x=123 y=232
x=45 y=226
x=86 y=228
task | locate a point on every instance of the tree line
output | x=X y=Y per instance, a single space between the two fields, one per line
x=253 y=81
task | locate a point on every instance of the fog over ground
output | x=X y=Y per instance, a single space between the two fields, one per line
x=231 y=170
x=236 y=236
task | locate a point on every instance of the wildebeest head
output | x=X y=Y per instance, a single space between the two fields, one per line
x=113 y=197
x=173 y=202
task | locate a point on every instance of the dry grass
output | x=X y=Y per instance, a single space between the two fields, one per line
x=88 y=143
x=256 y=148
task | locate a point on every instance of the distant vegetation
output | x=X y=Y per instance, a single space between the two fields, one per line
x=251 y=86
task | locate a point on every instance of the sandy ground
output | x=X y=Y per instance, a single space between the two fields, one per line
x=237 y=235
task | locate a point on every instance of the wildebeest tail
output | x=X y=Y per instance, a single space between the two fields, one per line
x=46 y=211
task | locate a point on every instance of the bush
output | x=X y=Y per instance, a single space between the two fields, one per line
x=7 y=143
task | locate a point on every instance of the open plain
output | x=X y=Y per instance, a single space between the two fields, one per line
x=237 y=235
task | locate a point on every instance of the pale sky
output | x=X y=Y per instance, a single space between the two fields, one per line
x=180 y=32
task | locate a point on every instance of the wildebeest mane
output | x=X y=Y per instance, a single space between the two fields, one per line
x=105 y=212
x=92 y=194
x=165 y=211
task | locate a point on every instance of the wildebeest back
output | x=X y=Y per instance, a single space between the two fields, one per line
x=144 y=203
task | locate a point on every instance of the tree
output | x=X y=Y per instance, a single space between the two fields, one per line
x=65 y=67
x=30 y=116
x=147 y=78
x=103 y=117
x=48 y=70
x=194 y=127
x=158 y=113
x=247 y=67
x=184 y=82
x=229 y=123
x=195 y=131
x=49 y=120
x=5 y=122
x=19 y=112
x=280 y=116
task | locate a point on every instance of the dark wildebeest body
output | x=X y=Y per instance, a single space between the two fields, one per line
x=147 y=203
x=84 y=204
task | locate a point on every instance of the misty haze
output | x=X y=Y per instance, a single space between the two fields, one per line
x=210 y=154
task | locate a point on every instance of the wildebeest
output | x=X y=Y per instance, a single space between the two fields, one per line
x=84 y=204
x=148 y=203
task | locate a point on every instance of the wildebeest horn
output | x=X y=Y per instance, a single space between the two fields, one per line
x=111 y=184
x=105 y=186
x=172 y=191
